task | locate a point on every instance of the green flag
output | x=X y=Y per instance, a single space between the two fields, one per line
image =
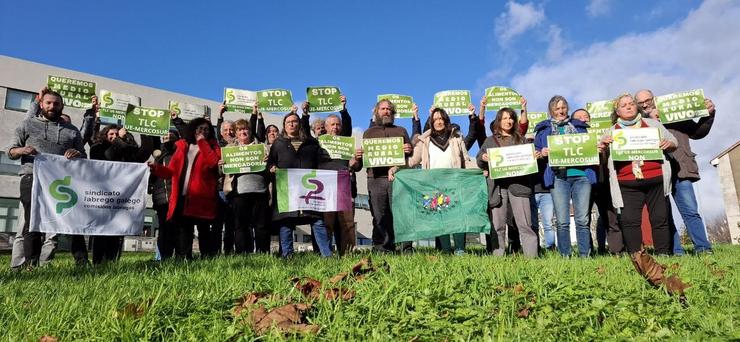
x=430 y=203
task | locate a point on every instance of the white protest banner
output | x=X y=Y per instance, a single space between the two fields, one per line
x=188 y=111
x=87 y=197
x=636 y=144
x=113 y=106
x=238 y=100
x=318 y=190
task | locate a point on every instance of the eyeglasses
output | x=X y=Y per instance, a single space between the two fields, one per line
x=646 y=101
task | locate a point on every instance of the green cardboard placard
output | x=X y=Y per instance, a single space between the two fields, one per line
x=188 y=111
x=404 y=104
x=274 y=100
x=502 y=97
x=573 y=149
x=324 y=99
x=243 y=159
x=339 y=147
x=636 y=144
x=75 y=93
x=113 y=106
x=148 y=121
x=379 y=152
x=454 y=102
x=534 y=118
x=681 y=106
x=239 y=100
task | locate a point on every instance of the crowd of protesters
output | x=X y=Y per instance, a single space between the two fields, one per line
x=237 y=213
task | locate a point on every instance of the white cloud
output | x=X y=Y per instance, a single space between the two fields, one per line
x=694 y=53
x=596 y=8
x=555 y=43
x=517 y=19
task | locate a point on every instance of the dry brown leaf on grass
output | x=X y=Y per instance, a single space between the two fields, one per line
x=432 y=258
x=247 y=301
x=601 y=270
x=339 y=277
x=134 y=310
x=523 y=312
x=518 y=288
x=47 y=338
x=339 y=293
x=289 y=318
x=309 y=287
x=654 y=273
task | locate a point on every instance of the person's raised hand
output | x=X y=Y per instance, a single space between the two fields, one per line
x=710 y=106
x=71 y=153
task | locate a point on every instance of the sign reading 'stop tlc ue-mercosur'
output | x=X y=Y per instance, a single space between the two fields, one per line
x=573 y=149
x=601 y=115
x=502 y=97
x=113 y=106
x=187 y=111
x=404 y=104
x=149 y=121
x=454 y=102
x=636 y=144
x=324 y=99
x=383 y=152
x=274 y=100
x=76 y=93
x=534 y=118
x=239 y=100
x=339 y=147
x=243 y=159
x=511 y=161
x=681 y=106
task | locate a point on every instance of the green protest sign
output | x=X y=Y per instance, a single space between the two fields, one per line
x=502 y=97
x=404 y=104
x=243 y=159
x=383 y=152
x=681 y=106
x=76 y=93
x=239 y=100
x=274 y=100
x=636 y=144
x=511 y=161
x=149 y=121
x=339 y=147
x=113 y=106
x=601 y=116
x=324 y=99
x=188 y=111
x=454 y=102
x=573 y=149
x=534 y=118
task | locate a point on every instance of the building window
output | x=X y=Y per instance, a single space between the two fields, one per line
x=9 y=213
x=362 y=202
x=306 y=238
x=18 y=100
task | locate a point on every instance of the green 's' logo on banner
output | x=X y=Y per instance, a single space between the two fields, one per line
x=175 y=107
x=496 y=158
x=230 y=96
x=313 y=185
x=107 y=99
x=619 y=139
x=60 y=191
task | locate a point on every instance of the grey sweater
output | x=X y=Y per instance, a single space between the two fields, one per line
x=46 y=137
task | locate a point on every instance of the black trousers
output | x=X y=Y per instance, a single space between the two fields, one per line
x=166 y=238
x=250 y=223
x=223 y=229
x=607 y=228
x=32 y=240
x=106 y=248
x=182 y=227
x=380 y=205
x=634 y=195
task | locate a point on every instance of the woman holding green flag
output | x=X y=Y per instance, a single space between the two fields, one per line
x=442 y=146
x=512 y=192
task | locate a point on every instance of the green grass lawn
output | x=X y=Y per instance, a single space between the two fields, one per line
x=424 y=296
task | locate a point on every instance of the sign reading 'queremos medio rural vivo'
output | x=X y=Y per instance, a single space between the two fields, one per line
x=149 y=121
x=404 y=104
x=76 y=93
x=324 y=99
x=573 y=149
x=454 y=102
x=681 y=106
x=383 y=152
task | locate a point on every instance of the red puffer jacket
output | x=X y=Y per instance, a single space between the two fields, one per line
x=201 y=200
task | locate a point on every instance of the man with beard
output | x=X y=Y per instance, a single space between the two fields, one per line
x=379 y=178
x=46 y=133
x=685 y=171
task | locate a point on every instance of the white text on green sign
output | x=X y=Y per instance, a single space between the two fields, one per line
x=572 y=149
x=243 y=159
x=511 y=161
x=383 y=152
x=339 y=147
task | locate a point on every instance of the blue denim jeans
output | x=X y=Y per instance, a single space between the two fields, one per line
x=685 y=198
x=579 y=190
x=543 y=202
x=286 y=238
x=323 y=239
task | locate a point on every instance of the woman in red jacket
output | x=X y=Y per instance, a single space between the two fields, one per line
x=193 y=199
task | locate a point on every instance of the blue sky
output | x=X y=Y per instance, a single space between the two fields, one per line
x=585 y=50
